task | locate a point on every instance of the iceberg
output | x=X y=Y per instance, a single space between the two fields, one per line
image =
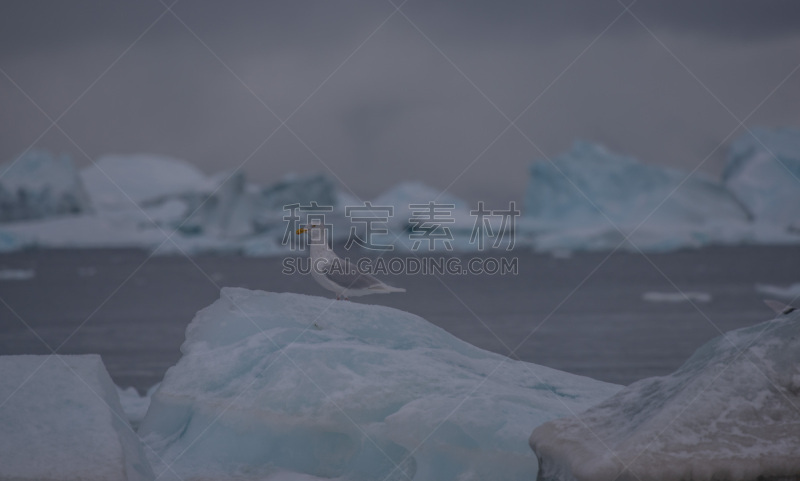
x=730 y=412
x=590 y=198
x=62 y=420
x=289 y=386
x=763 y=172
x=118 y=181
x=226 y=211
x=405 y=194
x=299 y=189
x=37 y=185
x=450 y=217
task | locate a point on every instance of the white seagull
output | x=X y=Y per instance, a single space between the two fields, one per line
x=338 y=275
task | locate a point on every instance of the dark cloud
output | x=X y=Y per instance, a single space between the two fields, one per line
x=374 y=101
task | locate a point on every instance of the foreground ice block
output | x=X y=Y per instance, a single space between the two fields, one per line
x=731 y=412
x=61 y=420
x=275 y=386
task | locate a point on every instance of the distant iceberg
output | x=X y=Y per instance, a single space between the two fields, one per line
x=117 y=181
x=592 y=199
x=448 y=220
x=763 y=172
x=149 y=201
x=38 y=185
x=586 y=199
x=730 y=412
x=271 y=384
x=590 y=185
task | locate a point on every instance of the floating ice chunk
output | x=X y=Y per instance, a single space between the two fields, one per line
x=274 y=384
x=730 y=412
x=62 y=420
x=37 y=185
x=676 y=297
x=17 y=274
x=790 y=292
x=763 y=172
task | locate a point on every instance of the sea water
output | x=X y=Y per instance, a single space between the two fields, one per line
x=615 y=317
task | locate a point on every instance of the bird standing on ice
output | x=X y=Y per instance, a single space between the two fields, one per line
x=337 y=275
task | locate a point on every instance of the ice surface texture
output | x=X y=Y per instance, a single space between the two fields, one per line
x=368 y=393
x=61 y=420
x=731 y=412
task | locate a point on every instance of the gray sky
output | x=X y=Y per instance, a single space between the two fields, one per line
x=379 y=96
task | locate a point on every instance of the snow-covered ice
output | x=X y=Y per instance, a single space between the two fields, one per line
x=61 y=420
x=654 y=296
x=763 y=172
x=788 y=293
x=295 y=387
x=38 y=185
x=732 y=412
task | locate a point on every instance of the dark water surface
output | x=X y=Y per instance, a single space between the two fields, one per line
x=584 y=314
